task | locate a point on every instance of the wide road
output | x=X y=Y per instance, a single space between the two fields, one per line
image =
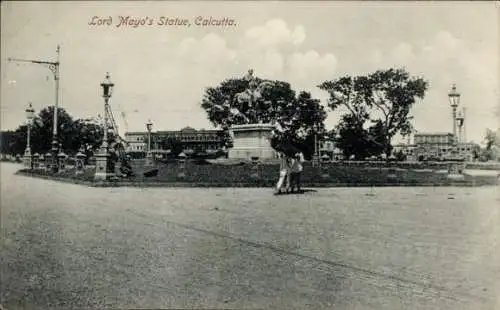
x=70 y=246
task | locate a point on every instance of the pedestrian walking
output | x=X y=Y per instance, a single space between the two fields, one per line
x=284 y=173
x=296 y=172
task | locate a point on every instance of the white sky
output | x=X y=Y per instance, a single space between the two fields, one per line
x=160 y=72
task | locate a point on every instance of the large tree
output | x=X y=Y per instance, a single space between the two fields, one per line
x=356 y=141
x=72 y=134
x=381 y=101
x=253 y=100
x=491 y=140
x=230 y=103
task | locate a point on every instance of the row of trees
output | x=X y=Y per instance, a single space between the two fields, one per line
x=374 y=108
x=73 y=134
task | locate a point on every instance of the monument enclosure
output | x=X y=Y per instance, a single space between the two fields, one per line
x=252 y=140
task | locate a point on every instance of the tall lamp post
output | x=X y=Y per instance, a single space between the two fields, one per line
x=149 y=155
x=104 y=169
x=30 y=114
x=454 y=97
x=316 y=150
x=54 y=67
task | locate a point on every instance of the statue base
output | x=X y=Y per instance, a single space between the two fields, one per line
x=455 y=172
x=28 y=159
x=149 y=159
x=252 y=140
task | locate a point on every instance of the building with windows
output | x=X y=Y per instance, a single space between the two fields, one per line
x=438 y=138
x=191 y=140
x=436 y=146
x=136 y=141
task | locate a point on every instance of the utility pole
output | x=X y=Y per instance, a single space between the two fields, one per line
x=54 y=67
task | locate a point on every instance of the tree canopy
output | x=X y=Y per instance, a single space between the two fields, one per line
x=377 y=105
x=72 y=134
x=491 y=141
x=250 y=99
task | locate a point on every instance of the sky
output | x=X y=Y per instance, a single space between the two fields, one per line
x=161 y=71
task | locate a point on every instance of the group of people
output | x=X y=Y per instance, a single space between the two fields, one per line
x=291 y=168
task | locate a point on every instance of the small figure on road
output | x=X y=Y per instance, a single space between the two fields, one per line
x=296 y=171
x=284 y=179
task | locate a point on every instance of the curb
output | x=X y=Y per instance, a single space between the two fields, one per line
x=264 y=184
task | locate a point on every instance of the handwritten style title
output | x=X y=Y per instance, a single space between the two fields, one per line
x=147 y=21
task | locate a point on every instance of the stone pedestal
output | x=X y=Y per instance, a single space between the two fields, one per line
x=41 y=162
x=48 y=161
x=35 y=161
x=103 y=169
x=80 y=163
x=182 y=166
x=149 y=159
x=28 y=159
x=455 y=172
x=61 y=160
x=251 y=140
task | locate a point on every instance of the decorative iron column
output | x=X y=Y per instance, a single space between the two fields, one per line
x=28 y=159
x=104 y=167
x=54 y=67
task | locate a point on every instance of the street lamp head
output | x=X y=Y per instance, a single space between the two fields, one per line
x=149 y=125
x=30 y=112
x=107 y=87
x=454 y=97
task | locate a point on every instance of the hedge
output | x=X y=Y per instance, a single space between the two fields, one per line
x=266 y=175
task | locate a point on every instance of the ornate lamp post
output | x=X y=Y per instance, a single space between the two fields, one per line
x=30 y=114
x=104 y=169
x=454 y=97
x=316 y=149
x=149 y=155
x=80 y=162
x=54 y=67
x=181 y=174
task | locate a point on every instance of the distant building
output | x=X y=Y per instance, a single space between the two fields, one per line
x=442 y=145
x=190 y=139
x=439 y=138
x=136 y=141
x=436 y=146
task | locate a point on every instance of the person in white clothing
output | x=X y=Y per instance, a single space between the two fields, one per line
x=285 y=170
x=296 y=171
